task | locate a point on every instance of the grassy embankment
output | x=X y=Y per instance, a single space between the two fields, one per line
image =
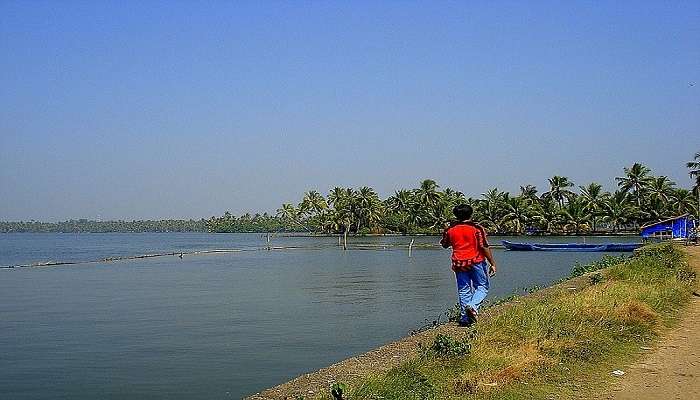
x=560 y=342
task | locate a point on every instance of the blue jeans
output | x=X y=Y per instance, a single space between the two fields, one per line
x=472 y=287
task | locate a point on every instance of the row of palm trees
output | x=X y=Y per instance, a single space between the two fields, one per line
x=563 y=208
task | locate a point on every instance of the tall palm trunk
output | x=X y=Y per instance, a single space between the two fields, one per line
x=345 y=237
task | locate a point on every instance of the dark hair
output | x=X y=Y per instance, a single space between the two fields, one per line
x=463 y=212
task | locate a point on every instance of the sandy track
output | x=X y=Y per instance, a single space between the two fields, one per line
x=672 y=369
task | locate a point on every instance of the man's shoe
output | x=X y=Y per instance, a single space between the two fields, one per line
x=471 y=315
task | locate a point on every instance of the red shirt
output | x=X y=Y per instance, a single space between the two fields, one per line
x=468 y=240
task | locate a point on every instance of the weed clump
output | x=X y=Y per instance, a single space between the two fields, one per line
x=406 y=382
x=338 y=390
x=596 y=278
x=447 y=347
x=606 y=262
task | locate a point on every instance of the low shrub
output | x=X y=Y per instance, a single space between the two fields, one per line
x=606 y=261
x=447 y=346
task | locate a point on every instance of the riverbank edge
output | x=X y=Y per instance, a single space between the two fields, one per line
x=395 y=353
x=391 y=355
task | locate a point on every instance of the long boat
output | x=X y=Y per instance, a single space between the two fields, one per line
x=610 y=247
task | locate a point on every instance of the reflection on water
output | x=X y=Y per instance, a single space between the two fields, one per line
x=216 y=326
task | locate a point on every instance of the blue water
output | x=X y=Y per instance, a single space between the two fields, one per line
x=216 y=326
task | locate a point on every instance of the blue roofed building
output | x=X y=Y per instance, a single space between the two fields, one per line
x=679 y=228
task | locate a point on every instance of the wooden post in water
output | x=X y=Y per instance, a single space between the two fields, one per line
x=410 y=248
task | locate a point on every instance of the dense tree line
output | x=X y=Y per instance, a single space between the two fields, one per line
x=249 y=223
x=84 y=225
x=561 y=208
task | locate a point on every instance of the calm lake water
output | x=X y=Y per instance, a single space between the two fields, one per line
x=217 y=326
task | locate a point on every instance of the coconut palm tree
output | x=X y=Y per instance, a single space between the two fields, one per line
x=681 y=202
x=368 y=207
x=660 y=189
x=494 y=197
x=695 y=173
x=478 y=206
x=288 y=212
x=400 y=207
x=655 y=210
x=618 y=210
x=453 y=196
x=449 y=199
x=517 y=214
x=636 y=180
x=529 y=192
x=546 y=212
x=593 y=199
x=401 y=201
x=337 y=195
x=428 y=192
x=331 y=221
x=695 y=168
x=575 y=215
x=492 y=209
x=343 y=212
x=558 y=189
x=313 y=203
x=428 y=196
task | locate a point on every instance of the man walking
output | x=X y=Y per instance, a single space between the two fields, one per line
x=470 y=251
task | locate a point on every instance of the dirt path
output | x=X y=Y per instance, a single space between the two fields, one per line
x=672 y=370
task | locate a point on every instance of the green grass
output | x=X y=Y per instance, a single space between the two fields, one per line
x=558 y=343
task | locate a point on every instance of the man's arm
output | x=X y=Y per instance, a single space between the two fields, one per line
x=489 y=258
x=484 y=245
x=445 y=241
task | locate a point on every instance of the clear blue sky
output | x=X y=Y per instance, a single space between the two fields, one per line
x=187 y=108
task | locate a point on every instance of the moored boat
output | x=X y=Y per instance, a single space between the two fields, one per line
x=609 y=247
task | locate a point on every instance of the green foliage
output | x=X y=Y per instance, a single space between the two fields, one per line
x=338 y=390
x=504 y=300
x=596 y=278
x=606 y=261
x=668 y=262
x=454 y=313
x=447 y=346
x=259 y=223
x=533 y=289
x=406 y=382
x=425 y=209
x=84 y=226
